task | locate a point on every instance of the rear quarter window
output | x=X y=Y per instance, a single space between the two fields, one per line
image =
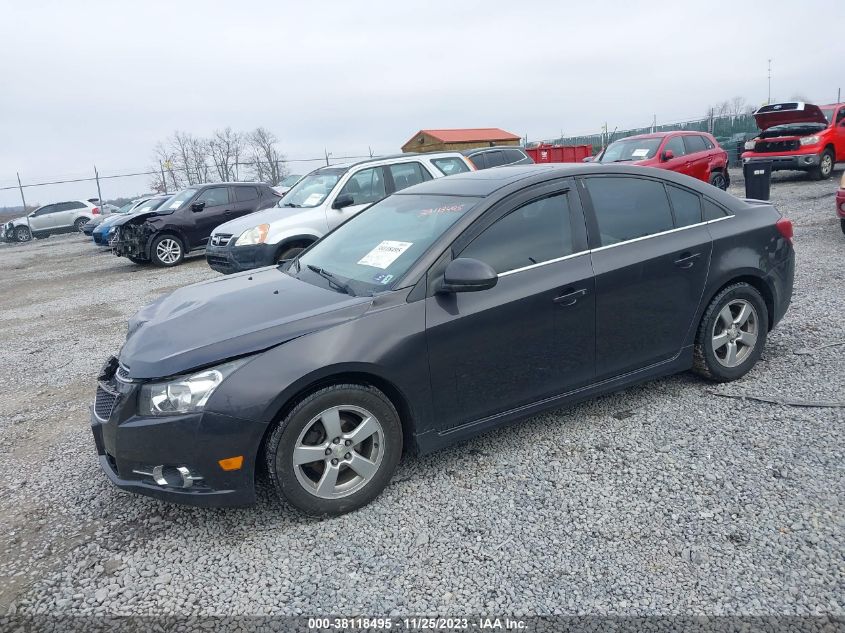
x=686 y=205
x=449 y=166
x=246 y=194
x=479 y=160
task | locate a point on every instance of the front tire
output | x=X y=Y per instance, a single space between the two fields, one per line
x=167 y=251
x=23 y=234
x=336 y=450
x=825 y=168
x=289 y=253
x=732 y=334
x=80 y=222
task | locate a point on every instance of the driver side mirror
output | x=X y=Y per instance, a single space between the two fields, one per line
x=196 y=207
x=468 y=275
x=667 y=154
x=343 y=200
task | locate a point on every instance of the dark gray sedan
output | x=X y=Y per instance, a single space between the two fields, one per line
x=445 y=310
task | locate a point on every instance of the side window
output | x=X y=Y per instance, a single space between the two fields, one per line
x=708 y=143
x=512 y=156
x=687 y=206
x=214 y=196
x=676 y=146
x=407 y=174
x=628 y=208
x=713 y=211
x=50 y=208
x=68 y=206
x=495 y=158
x=840 y=116
x=531 y=234
x=246 y=194
x=449 y=166
x=366 y=186
x=694 y=143
x=479 y=160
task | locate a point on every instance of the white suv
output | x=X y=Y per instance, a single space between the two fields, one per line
x=59 y=217
x=318 y=203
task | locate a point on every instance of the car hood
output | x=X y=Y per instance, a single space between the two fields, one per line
x=213 y=321
x=19 y=221
x=267 y=216
x=778 y=114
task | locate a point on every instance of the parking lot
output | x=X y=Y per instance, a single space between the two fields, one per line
x=662 y=499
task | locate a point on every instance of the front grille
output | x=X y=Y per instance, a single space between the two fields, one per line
x=221 y=239
x=219 y=262
x=104 y=403
x=776 y=146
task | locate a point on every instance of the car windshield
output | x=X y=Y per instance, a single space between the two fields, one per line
x=126 y=207
x=289 y=181
x=313 y=188
x=828 y=114
x=150 y=205
x=375 y=248
x=630 y=149
x=174 y=202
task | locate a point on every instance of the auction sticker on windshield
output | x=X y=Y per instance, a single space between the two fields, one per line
x=642 y=151
x=384 y=254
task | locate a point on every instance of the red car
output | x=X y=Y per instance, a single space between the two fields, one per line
x=799 y=136
x=695 y=154
x=840 y=203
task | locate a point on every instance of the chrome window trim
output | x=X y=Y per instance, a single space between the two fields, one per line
x=602 y=248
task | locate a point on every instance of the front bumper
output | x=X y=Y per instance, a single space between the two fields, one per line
x=101 y=238
x=130 y=447
x=783 y=162
x=234 y=259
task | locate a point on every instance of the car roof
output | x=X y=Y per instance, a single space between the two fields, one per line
x=478 y=150
x=663 y=134
x=486 y=182
x=377 y=160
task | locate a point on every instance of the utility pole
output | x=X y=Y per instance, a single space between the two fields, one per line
x=99 y=195
x=20 y=187
x=653 y=124
x=327 y=156
x=769 y=99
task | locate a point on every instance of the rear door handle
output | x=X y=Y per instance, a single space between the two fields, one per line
x=687 y=259
x=570 y=298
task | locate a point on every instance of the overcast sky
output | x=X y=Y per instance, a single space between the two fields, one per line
x=101 y=82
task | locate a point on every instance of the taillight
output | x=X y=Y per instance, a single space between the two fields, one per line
x=95 y=211
x=784 y=227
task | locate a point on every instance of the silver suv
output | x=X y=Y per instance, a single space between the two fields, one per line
x=317 y=204
x=59 y=217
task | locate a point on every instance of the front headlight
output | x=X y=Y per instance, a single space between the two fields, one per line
x=749 y=145
x=809 y=140
x=255 y=235
x=185 y=394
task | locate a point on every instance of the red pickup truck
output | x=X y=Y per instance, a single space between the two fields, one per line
x=799 y=136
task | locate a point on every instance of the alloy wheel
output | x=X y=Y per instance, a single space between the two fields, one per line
x=826 y=165
x=338 y=452
x=719 y=181
x=735 y=333
x=168 y=251
x=22 y=234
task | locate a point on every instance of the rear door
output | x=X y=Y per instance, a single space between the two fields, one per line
x=532 y=335
x=698 y=156
x=246 y=200
x=650 y=269
x=366 y=186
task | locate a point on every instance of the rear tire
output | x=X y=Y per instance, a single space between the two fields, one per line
x=732 y=334
x=167 y=251
x=23 y=234
x=719 y=179
x=321 y=476
x=825 y=167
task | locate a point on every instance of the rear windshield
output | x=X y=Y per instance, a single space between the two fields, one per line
x=630 y=149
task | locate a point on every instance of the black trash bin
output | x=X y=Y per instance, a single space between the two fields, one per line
x=758 y=179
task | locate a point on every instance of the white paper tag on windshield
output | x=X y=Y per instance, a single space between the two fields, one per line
x=384 y=254
x=640 y=152
x=313 y=200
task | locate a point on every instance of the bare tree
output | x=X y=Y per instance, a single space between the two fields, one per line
x=226 y=148
x=268 y=162
x=737 y=106
x=166 y=176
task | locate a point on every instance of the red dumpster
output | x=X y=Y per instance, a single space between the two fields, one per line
x=545 y=153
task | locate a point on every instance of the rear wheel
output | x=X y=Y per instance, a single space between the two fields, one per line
x=80 y=222
x=23 y=234
x=732 y=334
x=825 y=168
x=336 y=450
x=718 y=179
x=167 y=251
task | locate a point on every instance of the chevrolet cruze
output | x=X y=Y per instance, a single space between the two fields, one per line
x=455 y=306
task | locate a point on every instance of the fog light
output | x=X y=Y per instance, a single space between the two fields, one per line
x=171 y=476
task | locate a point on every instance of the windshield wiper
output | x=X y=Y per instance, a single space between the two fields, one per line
x=334 y=281
x=621 y=160
x=291 y=204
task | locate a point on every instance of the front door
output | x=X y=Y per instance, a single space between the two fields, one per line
x=44 y=218
x=679 y=161
x=649 y=276
x=200 y=224
x=532 y=335
x=366 y=187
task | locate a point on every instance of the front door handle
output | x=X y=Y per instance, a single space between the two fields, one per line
x=570 y=298
x=687 y=259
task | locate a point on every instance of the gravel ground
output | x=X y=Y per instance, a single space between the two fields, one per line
x=662 y=499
